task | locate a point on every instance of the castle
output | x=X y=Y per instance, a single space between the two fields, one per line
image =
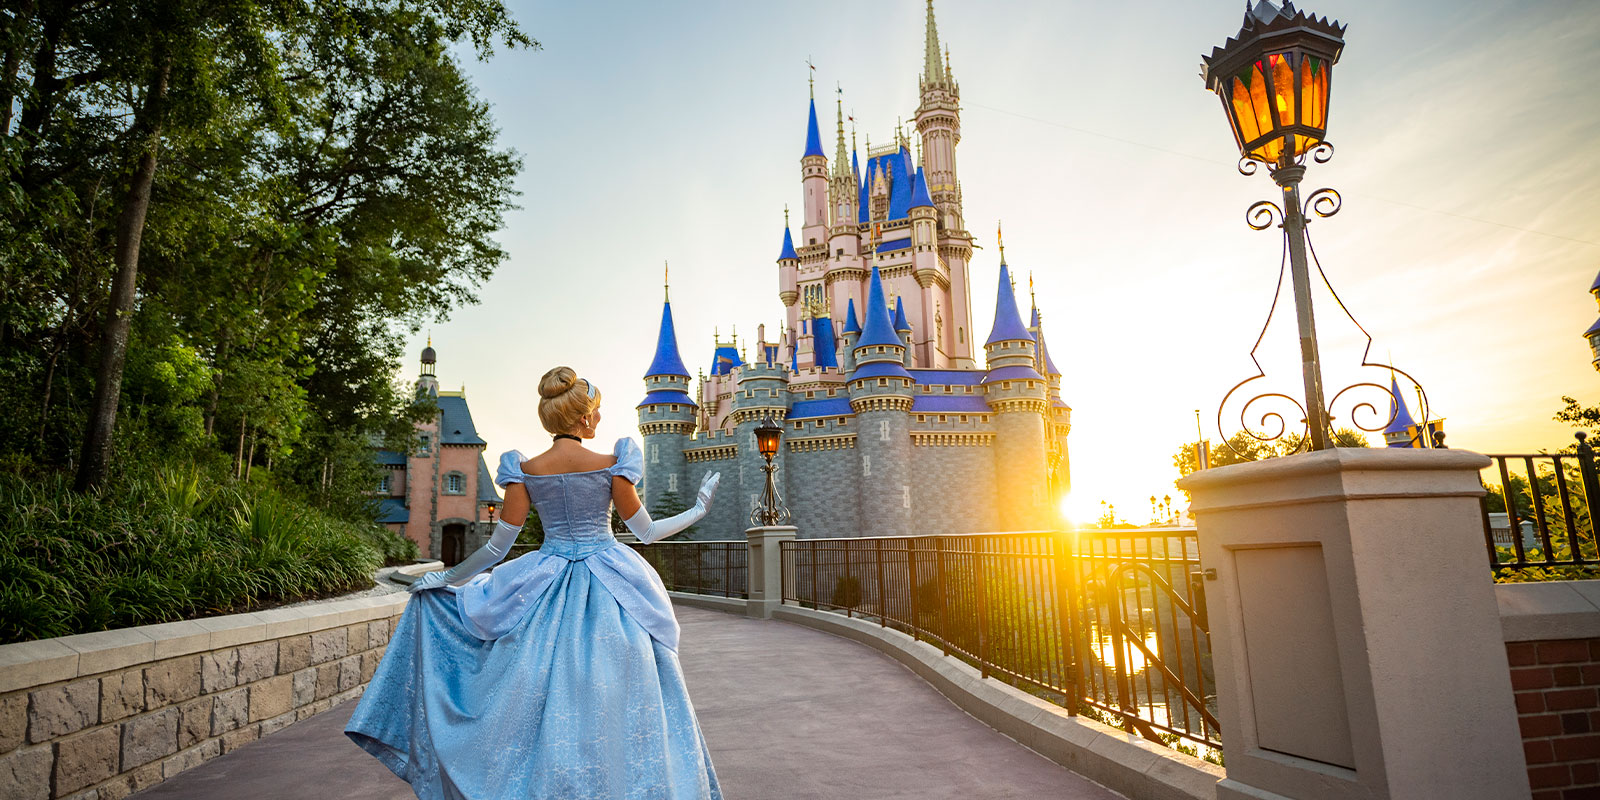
x=891 y=426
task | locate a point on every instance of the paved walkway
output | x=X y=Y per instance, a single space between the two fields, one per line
x=788 y=712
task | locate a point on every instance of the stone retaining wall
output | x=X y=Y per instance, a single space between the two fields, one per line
x=98 y=716
x=1552 y=633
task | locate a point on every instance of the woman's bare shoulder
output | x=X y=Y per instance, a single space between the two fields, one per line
x=551 y=462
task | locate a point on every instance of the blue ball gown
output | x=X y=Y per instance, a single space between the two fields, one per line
x=555 y=675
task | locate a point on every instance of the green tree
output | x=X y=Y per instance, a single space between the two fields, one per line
x=1242 y=448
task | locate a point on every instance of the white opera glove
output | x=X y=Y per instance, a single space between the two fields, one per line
x=490 y=554
x=650 y=531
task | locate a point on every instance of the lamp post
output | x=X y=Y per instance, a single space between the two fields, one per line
x=769 y=508
x=1273 y=78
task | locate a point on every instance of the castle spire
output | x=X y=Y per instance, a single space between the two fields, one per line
x=813 y=137
x=931 y=67
x=1007 y=320
x=667 y=360
x=839 y=159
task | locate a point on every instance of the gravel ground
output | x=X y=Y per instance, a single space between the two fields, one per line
x=380 y=585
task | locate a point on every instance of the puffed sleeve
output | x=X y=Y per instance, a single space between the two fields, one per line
x=630 y=460
x=510 y=469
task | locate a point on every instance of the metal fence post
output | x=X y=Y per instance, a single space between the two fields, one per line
x=1591 y=481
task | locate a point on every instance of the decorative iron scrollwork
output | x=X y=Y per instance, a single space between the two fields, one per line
x=1263 y=214
x=1323 y=202
x=1247 y=165
x=1322 y=153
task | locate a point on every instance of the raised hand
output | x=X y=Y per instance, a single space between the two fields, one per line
x=708 y=487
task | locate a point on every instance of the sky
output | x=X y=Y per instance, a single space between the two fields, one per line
x=672 y=132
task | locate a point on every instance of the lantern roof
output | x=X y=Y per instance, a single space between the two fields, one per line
x=1286 y=26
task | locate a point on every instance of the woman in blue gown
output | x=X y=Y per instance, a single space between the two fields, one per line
x=555 y=675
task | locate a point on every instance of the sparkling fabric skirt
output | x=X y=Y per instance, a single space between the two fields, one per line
x=576 y=701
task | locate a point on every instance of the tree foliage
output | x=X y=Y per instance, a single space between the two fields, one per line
x=318 y=179
x=1243 y=448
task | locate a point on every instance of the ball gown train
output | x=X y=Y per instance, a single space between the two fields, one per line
x=555 y=675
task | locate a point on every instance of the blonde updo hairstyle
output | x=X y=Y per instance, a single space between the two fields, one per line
x=564 y=399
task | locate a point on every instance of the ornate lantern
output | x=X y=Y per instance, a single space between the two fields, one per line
x=1273 y=79
x=767 y=435
x=769 y=509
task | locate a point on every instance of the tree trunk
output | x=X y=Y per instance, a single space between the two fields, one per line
x=114 y=342
x=238 y=456
x=250 y=460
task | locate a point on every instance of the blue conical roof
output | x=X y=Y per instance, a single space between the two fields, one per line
x=879 y=329
x=850 y=323
x=823 y=348
x=667 y=360
x=1007 y=320
x=855 y=165
x=919 y=191
x=813 y=138
x=788 y=245
x=1596 y=285
x=1044 y=355
x=900 y=323
x=1397 y=407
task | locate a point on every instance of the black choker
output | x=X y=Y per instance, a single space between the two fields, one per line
x=579 y=440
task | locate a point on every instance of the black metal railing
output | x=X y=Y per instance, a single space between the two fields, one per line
x=1539 y=509
x=1100 y=622
x=718 y=568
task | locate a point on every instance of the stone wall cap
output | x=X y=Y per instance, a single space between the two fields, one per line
x=1339 y=459
x=1549 y=610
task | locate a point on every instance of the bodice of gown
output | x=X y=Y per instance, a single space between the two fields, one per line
x=574 y=510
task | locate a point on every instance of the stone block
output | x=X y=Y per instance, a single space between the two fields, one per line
x=121 y=695
x=258 y=661
x=233 y=740
x=210 y=749
x=25 y=774
x=305 y=686
x=86 y=760
x=219 y=670
x=231 y=709
x=60 y=710
x=294 y=653
x=104 y=651
x=172 y=681
x=187 y=759
x=369 y=664
x=91 y=794
x=13 y=720
x=194 y=721
x=349 y=672
x=174 y=639
x=355 y=637
x=271 y=697
x=278 y=723
x=27 y=664
x=115 y=790
x=377 y=633
x=234 y=629
x=328 y=645
x=150 y=737
x=145 y=776
x=327 y=680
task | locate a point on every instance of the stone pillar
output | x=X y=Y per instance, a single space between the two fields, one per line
x=1354 y=628
x=766 y=568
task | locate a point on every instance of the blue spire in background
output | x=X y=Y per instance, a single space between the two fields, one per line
x=900 y=323
x=919 y=191
x=813 y=138
x=788 y=245
x=667 y=360
x=1397 y=407
x=850 y=323
x=823 y=347
x=878 y=330
x=1007 y=320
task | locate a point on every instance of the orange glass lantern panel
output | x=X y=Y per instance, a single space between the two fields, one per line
x=1314 y=92
x=1282 y=88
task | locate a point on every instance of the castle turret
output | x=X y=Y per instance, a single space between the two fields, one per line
x=1017 y=393
x=1593 y=334
x=881 y=392
x=902 y=328
x=788 y=267
x=666 y=418
x=814 y=183
x=1059 y=423
x=851 y=333
x=427 y=382
x=939 y=122
x=1399 y=431
x=843 y=195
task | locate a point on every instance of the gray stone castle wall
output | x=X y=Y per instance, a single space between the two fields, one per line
x=954 y=490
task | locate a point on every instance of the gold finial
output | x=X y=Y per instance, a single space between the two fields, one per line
x=811 y=77
x=785 y=216
x=1000 y=238
x=1031 y=299
x=430 y=338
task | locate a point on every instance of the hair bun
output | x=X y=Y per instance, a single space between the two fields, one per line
x=557 y=382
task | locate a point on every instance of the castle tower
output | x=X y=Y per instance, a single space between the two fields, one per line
x=1017 y=393
x=1398 y=433
x=938 y=121
x=1059 y=423
x=814 y=183
x=925 y=269
x=788 y=267
x=881 y=392
x=1593 y=334
x=843 y=194
x=666 y=419
x=851 y=333
x=903 y=330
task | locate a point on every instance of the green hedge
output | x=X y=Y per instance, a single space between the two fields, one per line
x=166 y=544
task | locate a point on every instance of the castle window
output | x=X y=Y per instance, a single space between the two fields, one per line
x=383 y=485
x=810 y=394
x=963 y=417
x=674 y=406
x=832 y=392
x=941 y=418
x=961 y=335
x=799 y=425
x=813 y=240
x=423 y=444
x=455 y=483
x=839 y=252
x=883 y=381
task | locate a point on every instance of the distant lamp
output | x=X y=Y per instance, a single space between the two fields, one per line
x=769 y=509
x=1273 y=78
x=491 y=511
